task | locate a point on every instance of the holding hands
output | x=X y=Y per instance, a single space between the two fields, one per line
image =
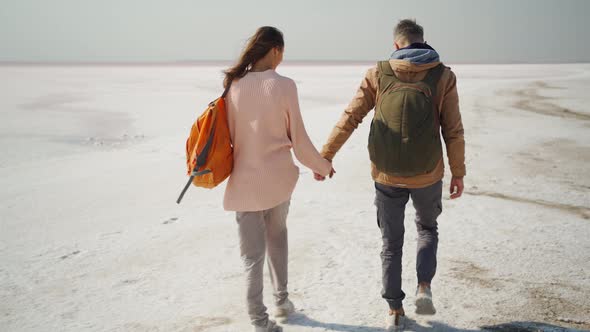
x=320 y=177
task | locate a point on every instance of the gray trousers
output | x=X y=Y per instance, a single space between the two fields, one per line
x=391 y=204
x=262 y=232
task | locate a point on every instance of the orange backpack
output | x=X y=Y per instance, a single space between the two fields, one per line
x=209 y=152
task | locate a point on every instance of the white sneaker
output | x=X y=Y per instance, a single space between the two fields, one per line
x=271 y=326
x=285 y=309
x=395 y=321
x=424 y=305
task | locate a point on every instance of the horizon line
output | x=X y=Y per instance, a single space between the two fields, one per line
x=229 y=62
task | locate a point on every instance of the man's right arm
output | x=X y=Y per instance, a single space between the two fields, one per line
x=353 y=115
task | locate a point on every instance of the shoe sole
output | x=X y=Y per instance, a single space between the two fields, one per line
x=424 y=306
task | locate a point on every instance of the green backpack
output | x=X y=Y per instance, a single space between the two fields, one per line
x=404 y=138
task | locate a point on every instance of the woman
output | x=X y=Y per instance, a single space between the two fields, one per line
x=265 y=123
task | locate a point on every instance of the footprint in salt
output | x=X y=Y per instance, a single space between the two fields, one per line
x=70 y=254
x=170 y=221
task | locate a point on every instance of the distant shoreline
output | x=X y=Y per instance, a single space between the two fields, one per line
x=174 y=63
x=228 y=63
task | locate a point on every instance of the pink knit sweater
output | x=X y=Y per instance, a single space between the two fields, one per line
x=265 y=123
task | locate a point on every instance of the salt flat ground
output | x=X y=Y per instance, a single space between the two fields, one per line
x=91 y=238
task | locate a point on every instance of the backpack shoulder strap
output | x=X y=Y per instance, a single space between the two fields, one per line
x=386 y=75
x=385 y=68
x=433 y=76
x=226 y=89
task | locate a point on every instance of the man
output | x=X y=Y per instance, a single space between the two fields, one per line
x=415 y=97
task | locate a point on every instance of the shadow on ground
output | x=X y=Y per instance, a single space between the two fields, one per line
x=300 y=319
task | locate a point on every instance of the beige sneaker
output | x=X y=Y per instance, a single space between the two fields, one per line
x=424 y=305
x=395 y=320
x=284 y=310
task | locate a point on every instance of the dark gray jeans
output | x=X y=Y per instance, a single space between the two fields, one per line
x=391 y=204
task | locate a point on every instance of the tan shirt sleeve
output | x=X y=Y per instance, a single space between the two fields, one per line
x=359 y=107
x=451 y=125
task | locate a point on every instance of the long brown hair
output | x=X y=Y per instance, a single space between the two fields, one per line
x=265 y=39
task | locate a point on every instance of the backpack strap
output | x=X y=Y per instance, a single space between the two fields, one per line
x=432 y=78
x=226 y=89
x=202 y=157
x=188 y=183
x=386 y=77
x=385 y=68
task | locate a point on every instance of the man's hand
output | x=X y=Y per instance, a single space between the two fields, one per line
x=319 y=177
x=456 y=187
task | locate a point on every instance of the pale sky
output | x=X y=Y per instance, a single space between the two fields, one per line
x=463 y=31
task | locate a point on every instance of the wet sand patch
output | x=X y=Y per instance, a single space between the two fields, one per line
x=529 y=99
x=582 y=211
x=66 y=118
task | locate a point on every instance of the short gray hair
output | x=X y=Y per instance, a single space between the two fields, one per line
x=409 y=30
